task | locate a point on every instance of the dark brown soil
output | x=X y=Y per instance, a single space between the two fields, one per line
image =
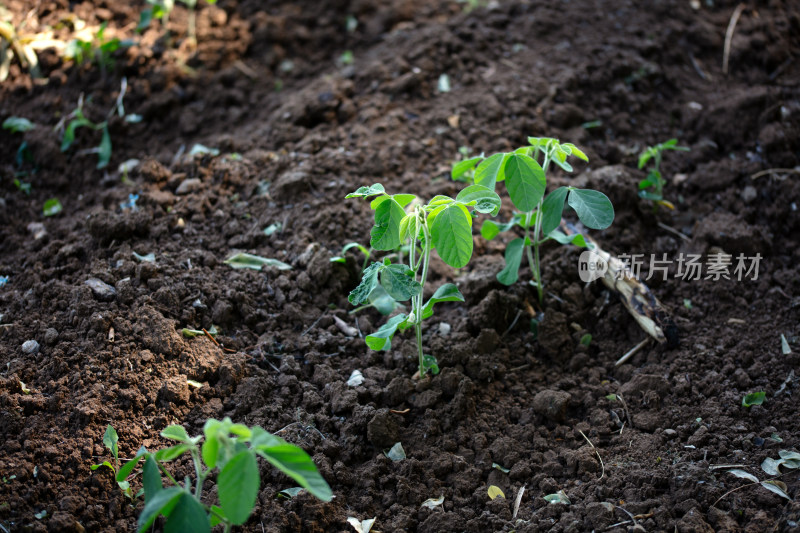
x=648 y=71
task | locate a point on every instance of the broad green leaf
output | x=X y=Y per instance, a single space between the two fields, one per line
x=574 y=150
x=484 y=200
x=240 y=430
x=18 y=124
x=513 y=256
x=104 y=463
x=176 y=432
x=187 y=515
x=382 y=339
x=237 y=486
x=403 y=199
x=452 y=235
x=429 y=363
x=560 y=159
x=771 y=466
x=525 y=181
x=491 y=170
x=446 y=293
x=254 y=262
x=593 y=208
x=173 y=452
x=645 y=157
x=385 y=235
x=369 y=280
x=104 y=149
x=754 y=398
x=489 y=230
x=409 y=227
x=462 y=167
x=110 y=439
x=398 y=281
x=128 y=467
x=52 y=207
x=161 y=504
x=151 y=478
x=210 y=450
x=552 y=209
x=576 y=238
x=380 y=300
x=778 y=487
x=292 y=461
x=644 y=184
x=366 y=192
x=439 y=199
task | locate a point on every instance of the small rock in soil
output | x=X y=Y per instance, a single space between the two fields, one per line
x=551 y=404
x=50 y=336
x=382 y=430
x=189 y=185
x=30 y=347
x=290 y=184
x=102 y=290
x=175 y=390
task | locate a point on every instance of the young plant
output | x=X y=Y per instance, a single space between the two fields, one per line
x=230 y=449
x=110 y=439
x=652 y=187
x=162 y=9
x=443 y=224
x=539 y=217
x=99 y=50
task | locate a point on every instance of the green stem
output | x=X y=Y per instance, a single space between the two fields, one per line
x=198 y=470
x=166 y=473
x=417 y=300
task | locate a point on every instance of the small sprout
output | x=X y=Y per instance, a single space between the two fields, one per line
x=361 y=526
x=356 y=379
x=785 y=348
x=687 y=303
x=652 y=187
x=754 y=398
x=147 y=258
x=346 y=58
x=191 y=333
x=204 y=150
x=433 y=503
x=291 y=493
x=495 y=492
x=18 y=124
x=274 y=228
x=193 y=383
x=592 y=124
x=397 y=453
x=24 y=388
x=254 y=262
x=611 y=397
x=500 y=468
x=52 y=207
x=41 y=514
x=558 y=497
x=586 y=340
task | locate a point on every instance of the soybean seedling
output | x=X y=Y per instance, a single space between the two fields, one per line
x=652 y=187
x=443 y=224
x=539 y=216
x=110 y=440
x=99 y=50
x=230 y=450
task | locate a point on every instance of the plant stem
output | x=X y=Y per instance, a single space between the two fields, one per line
x=198 y=470
x=417 y=300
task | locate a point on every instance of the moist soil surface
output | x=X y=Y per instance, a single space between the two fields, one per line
x=298 y=127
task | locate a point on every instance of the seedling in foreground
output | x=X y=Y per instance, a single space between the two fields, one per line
x=231 y=449
x=540 y=217
x=110 y=439
x=444 y=224
x=652 y=187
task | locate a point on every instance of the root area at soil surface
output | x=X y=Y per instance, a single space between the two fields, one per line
x=306 y=101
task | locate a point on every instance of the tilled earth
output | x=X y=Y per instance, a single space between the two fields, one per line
x=297 y=129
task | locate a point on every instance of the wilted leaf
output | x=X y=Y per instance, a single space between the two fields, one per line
x=432 y=503
x=771 y=466
x=254 y=262
x=356 y=379
x=500 y=468
x=362 y=526
x=292 y=492
x=744 y=475
x=495 y=492
x=558 y=497
x=778 y=487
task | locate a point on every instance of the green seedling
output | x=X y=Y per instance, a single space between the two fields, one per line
x=754 y=398
x=790 y=460
x=161 y=9
x=539 y=217
x=52 y=207
x=652 y=187
x=100 y=50
x=24 y=155
x=443 y=224
x=366 y=252
x=230 y=450
x=110 y=440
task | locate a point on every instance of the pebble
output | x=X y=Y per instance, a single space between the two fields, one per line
x=30 y=347
x=552 y=404
x=670 y=433
x=189 y=185
x=101 y=289
x=50 y=336
x=749 y=194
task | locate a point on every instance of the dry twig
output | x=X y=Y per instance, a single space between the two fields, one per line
x=729 y=36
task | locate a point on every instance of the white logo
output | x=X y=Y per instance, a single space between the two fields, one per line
x=591 y=266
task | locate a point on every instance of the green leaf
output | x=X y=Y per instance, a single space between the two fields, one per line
x=187 y=515
x=209 y=451
x=778 y=487
x=525 y=181
x=369 y=280
x=489 y=230
x=171 y=453
x=576 y=238
x=396 y=453
x=403 y=199
x=429 y=363
x=484 y=200
x=382 y=339
x=104 y=463
x=52 y=207
x=176 y=432
x=651 y=196
x=385 y=235
x=254 y=262
x=491 y=170
x=110 y=439
x=513 y=255
x=452 y=235
x=128 y=467
x=576 y=151
x=409 y=227
x=151 y=478
x=380 y=300
x=462 y=167
x=398 y=281
x=593 y=208
x=560 y=159
x=366 y=192
x=18 y=124
x=292 y=461
x=644 y=184
x=237 y=486
x=161 y=504
x=754 y=398
x=552 y=209
x=104 y=149
x=446 y=293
